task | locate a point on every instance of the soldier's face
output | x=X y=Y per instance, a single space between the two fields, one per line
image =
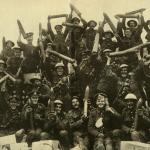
x=124 y=72
x=60 y=71
x=2 y=67
x=17 y=54
x=30 y=39
x=76 y=22
x=92 y=25
x=127 y=33
x=9 y=45
x=59 y=30
x=37 y=82
x=101 y=101
x=132 y=25
x=131 y=104
x=108 y=36
x=34 y=99
x=13 y=105
x=75 y=103
x=58 y=108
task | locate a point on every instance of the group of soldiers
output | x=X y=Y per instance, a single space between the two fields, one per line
x=80 y=85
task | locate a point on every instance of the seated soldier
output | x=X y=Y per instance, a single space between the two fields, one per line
x=12 y=118
x=56 y=123
x=135 y=122
x=78 y=124
x=101 y=121
x=89 y=34
x=33 y=112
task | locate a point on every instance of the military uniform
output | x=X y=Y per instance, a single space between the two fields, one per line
x=35 y=118
x=32 y=58
x=103 y=129
x=59 y=40
x=78 y=127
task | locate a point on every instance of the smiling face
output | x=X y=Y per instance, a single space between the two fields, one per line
x=13 y=105
x=60 y=70
x=131 y=104
x=101 y=101
x=58 y=108
x=75 y=103
x=34 y=98
x=124 y=72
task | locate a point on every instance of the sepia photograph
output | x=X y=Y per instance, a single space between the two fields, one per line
x=75 y=75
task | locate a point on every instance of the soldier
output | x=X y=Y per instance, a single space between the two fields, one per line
x=33 y=113
x=57 y=125
x=50 y=63
x=135 y=27
x=76 y=37
x=78 y=122
x=42 y=89
x=58 y=38
x=135 y=122
x=101 y=123
x=141 y=77
x=89 y=34
x=31 y=54
x=7 y=51
x=13 y=63
x=107 y=42
x=61 y=85
x=12 y=120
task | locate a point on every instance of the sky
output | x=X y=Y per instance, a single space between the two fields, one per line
x=32 y=12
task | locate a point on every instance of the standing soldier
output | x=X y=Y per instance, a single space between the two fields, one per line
x=31 y=54
x=7 y=51
x=106 y=41
x=58 y=38
x=78 y=122
x=135 y=121
x=33 y=113
x=76 y=34
x=89 y=34
x=13 y=63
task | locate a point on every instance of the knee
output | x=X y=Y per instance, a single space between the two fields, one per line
x=44 y=136
x=116 y=133
x=63 y=133
x=98 y=145
x=135 y=136
x=108 y=141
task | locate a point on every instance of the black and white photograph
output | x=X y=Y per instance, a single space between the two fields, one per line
x=75 y=75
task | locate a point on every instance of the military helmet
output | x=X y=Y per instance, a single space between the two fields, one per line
x=9 y=41
x=123 y=66
x=131 y=96
x=35 y=77
x=57 y=101
x=60 y=64
x=2 y=62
